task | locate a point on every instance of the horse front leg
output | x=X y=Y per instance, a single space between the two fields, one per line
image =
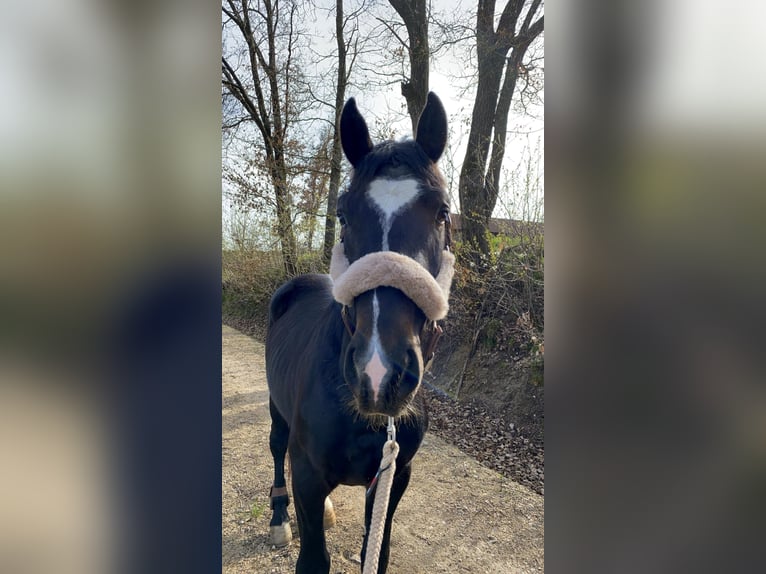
x=310 y=492
x=401 y=480
x=280 y=533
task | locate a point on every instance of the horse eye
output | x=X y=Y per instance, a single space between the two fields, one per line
x=443 y=215
x=341 y=218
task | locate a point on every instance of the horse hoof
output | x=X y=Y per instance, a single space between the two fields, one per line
x=280 y=535
x=329 y=514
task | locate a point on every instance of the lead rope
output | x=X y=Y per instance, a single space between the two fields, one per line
x=382 y=483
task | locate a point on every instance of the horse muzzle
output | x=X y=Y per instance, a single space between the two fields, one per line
x=383 y=383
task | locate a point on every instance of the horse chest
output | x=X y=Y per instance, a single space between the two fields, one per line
x=353 y=457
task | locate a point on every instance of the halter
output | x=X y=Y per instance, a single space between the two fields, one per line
x=431 y=331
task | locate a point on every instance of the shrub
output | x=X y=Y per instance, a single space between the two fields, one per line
x=250 y=277
x=499 y=303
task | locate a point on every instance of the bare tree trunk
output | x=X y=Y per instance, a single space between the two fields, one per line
x=284 y=218
x=478 y=187
x=473 y=200
x=265 y=103
x=415 y=89
x=316 y=192
x=337 y=152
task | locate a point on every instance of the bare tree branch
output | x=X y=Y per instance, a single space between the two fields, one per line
x=390 y=28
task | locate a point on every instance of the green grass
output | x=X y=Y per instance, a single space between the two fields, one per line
x=258 y=508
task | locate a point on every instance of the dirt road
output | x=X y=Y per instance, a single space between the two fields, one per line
x=456 y=516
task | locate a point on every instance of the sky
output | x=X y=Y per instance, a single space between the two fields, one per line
x=382 y=103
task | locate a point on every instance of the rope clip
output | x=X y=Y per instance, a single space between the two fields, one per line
x=391 y=429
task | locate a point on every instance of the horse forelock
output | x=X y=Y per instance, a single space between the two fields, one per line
x=397 y=160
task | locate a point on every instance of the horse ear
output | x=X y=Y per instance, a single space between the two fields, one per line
x=432 y=128
x=354 y=134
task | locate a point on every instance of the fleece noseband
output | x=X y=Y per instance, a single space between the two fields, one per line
x=391 y=269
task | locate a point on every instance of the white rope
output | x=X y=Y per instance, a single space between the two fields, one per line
x=382 y=495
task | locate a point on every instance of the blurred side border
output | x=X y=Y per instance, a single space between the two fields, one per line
x=655 y=405
x=110 y=287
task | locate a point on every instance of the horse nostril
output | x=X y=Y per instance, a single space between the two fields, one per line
x=398 y=372
x=412 y=365
x=408 y=376
x=397 y=375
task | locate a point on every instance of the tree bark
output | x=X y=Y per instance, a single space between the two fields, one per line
x=480 y=174
x=337 y=152
x=415 y=88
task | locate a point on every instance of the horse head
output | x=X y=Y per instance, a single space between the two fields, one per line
x=392 y=269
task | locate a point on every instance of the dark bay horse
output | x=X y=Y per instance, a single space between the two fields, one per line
x=344 y=352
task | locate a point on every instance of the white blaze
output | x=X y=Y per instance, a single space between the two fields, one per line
x=375 y=368
x=390 y=196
